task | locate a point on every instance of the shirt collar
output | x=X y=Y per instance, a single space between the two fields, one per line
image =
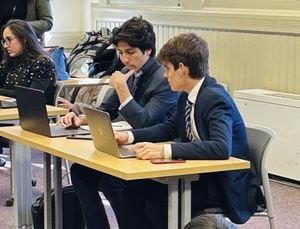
x=146 y=67
x=138 y=74
x=194 y=92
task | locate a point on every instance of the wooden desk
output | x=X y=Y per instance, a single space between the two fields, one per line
x=83 y=152
x=80 y=82
x=12 y=113
x=21 y=162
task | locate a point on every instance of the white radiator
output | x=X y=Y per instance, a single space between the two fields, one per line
x=163 y=32
x=281 y=112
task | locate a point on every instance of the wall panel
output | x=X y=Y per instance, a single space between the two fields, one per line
x=261 y=52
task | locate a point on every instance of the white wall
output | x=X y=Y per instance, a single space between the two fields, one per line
x=69 y=22
x=253 y=43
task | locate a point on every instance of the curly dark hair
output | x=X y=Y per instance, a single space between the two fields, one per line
x=137 y=32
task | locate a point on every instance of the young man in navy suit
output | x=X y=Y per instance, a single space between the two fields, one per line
x=209 y=126
x=142 y=97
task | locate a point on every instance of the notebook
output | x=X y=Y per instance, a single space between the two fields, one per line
x=102 y=134
x=33 y=114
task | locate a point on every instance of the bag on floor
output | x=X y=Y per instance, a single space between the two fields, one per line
x=72 y=213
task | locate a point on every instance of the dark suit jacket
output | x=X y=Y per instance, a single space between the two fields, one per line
x=152 y=101
x=222 y=132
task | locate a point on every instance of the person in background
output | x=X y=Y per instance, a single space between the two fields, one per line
x=24 y=62
x=208 y=126
x=36 y=12
x=210 y=221
x=141 y=96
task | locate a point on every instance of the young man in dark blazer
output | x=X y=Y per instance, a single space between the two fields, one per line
x=142 y=97
x=210 y=127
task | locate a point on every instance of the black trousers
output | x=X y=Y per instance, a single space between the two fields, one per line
x=146 y=201
x=137 y=204
x=87 y=182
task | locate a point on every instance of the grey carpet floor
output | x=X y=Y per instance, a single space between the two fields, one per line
x=286 y=198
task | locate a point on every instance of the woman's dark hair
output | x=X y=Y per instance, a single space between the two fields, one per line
x=26 y=35
x=137 y=32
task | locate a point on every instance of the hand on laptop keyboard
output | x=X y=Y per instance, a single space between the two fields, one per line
x=71 y=120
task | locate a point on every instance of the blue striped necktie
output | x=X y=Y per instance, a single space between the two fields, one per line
x=135 y=81
x=187 y=113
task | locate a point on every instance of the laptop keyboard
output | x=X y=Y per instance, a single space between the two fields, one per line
x=125 y=152
x=57 y=130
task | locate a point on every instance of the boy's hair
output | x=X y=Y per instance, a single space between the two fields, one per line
x=188 y=49
x=137 y=32
x=210 y=221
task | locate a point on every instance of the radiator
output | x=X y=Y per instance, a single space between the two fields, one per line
x=281 y=112
x=163 y=32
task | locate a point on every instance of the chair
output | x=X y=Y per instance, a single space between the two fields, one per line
x=259 y=140
x=57 y=90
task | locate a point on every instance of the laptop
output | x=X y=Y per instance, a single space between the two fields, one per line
x=102 y=134
x=33 y=114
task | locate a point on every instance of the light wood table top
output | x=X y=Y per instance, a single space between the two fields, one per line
x=4 y=97
x=80 y=82
x=83 y=152
x=12 y=113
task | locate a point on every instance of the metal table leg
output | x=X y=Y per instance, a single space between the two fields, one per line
x=58 y=192
x=172 y=183
x=186 y=198
x=22 y=190
x=47 y=192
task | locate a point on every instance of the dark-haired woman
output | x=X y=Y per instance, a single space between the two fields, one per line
x=24 y=62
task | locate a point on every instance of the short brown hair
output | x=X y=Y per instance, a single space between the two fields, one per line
x=188 y=49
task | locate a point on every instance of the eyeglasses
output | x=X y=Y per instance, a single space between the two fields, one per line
x=8 y=40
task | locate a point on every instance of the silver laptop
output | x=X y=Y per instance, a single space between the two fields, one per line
x=33 y=114
x=102 y=134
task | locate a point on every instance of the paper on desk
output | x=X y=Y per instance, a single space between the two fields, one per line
x=117 y=126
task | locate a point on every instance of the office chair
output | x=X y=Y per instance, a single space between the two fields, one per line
x=259 y=140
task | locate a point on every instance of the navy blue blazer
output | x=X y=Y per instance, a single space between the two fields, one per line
x=223 y=134
x=153 y=100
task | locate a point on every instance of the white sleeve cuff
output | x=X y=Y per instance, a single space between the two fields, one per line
x=167 y=151
x=130 y=137
x=129 y=98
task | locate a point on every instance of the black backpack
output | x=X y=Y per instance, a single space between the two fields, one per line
x=71 y=212
x=93 y=55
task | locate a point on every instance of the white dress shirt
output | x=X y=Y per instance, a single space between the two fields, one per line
x=192 y=98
